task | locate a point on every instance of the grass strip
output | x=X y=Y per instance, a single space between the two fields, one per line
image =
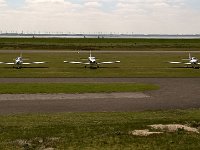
x=94 y=43
x=97 y=130
x=132 y=65
x=31 y=88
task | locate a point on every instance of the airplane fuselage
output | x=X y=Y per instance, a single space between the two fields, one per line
x=92 y=61
x=194 y=61
x=18 y=61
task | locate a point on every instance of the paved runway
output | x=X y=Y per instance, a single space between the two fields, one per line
x=174 y=93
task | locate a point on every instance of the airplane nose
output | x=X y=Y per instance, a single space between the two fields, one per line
x=17 y=62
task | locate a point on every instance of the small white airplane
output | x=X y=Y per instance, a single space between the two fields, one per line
x=19 y=61
x=92 y=62
x=193 y=61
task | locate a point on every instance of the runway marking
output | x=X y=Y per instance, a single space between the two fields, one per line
x=13 y=97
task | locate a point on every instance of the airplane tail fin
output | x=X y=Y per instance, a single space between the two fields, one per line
x=190 y=56
x=90 y=53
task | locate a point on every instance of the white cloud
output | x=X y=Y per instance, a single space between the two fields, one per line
x=138 y=16
x=44 y=1
x=2 y=3
x=92 y=4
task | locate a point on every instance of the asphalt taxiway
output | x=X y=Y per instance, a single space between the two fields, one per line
x=174 y=93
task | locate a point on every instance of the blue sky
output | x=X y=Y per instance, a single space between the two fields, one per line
x=15 y=3
x=194 y=4
x=88 y=16
x=107 y=5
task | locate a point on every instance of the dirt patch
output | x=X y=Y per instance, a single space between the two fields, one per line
x=145 y=132
x=162 y=129
x=173 y=128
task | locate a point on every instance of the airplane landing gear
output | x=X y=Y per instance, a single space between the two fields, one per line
x=19 y=67
x=195 y=66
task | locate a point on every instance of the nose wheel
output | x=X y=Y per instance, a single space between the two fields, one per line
x=17 y=67
x=195 y=66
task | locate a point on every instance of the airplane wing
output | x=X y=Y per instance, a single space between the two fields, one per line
x=77 y=62
x=109 y=62
x=29 y=63
x=9 y=63
x=39 y=62
x=73 y=62
x=87 y=63
x=26 y=63
x=187 y=63
x=174 y=62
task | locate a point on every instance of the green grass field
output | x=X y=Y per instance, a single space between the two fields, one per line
x=97 y=130
x=132 y=65
x=21 y=88
x=99 y=44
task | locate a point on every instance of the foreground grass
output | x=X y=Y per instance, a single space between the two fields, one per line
x=97 y=130
x=20 y=88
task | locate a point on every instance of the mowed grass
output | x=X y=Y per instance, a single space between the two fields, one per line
x=21 y=88
x=97 y=130
x=132 y=65
x=97 y=44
